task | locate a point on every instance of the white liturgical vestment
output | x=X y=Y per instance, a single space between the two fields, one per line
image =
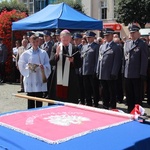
x=29 y=67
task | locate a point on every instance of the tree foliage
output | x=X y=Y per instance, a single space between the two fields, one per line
x=6 y=19
x=77 y=6
x=12 y=4
x=133 y=11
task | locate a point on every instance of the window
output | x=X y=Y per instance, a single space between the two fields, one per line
x=52 y=1
x=31 y=8
x=103 y=9
x=39 y=4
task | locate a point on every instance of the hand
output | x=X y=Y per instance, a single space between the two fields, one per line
x=71 y=59
x=32 y=67
x=57 y=50
x=113 y=77
x=41 y=66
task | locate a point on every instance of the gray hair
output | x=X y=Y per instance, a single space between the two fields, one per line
x=65 y=33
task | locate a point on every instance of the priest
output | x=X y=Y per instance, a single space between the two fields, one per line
x=65 y=58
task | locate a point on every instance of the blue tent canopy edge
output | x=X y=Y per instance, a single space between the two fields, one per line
x=58 y=16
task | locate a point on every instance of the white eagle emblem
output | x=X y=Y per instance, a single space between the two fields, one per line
x=66 y=120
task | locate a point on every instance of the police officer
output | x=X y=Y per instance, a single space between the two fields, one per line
x=90 y=56
x=47 y=46
x=77 y=37
x=47 y=42
x=135 y=69
x=57 y=34
x=108 y=66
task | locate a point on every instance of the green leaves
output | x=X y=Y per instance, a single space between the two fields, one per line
x=130 y=11
x=73 y=4
x=13 y=4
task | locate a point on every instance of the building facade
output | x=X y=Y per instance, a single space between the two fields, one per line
x=36 y=5
x=105 y=10
x=99 y=9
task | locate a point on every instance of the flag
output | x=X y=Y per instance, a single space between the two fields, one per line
x=138 y=111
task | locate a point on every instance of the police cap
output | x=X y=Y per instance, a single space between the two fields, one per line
x=77 y=36
x=47 y=33
x=57 y=32
x=90 y=34
x=133 y=28
x=108 y=31
x=40 y=35
x=30 y=33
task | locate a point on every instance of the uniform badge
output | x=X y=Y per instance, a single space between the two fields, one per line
x=110 y=51
x=136 y=49
x=100 y=56
x=127 y=56
x=83 y=54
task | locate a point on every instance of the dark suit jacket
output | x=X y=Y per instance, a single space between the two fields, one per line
x=90 y=57
x=109 y=62
x=3 y=53
x=136 y=59
x=48 y=48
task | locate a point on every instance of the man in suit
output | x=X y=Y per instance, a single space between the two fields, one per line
x=3 y=58
x=89 y=55
x=109 y=63
x=135 y=69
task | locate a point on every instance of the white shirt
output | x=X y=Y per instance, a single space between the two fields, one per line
x=15 y=51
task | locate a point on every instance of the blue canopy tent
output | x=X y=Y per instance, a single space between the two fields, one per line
x=58 y=16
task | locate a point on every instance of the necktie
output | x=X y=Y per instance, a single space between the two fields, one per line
x=133 y=42
x=107 y=45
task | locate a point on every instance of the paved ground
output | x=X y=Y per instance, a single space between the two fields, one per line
x=9 y=103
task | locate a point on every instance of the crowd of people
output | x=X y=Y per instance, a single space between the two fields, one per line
x=82 y=68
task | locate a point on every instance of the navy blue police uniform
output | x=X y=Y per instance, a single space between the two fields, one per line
x=135 y=69
x=47 y=46
x=79 y=72
x=90 y=56
x=109 y=63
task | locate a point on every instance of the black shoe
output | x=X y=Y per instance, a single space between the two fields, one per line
x=105 y=107
x=21 y=91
